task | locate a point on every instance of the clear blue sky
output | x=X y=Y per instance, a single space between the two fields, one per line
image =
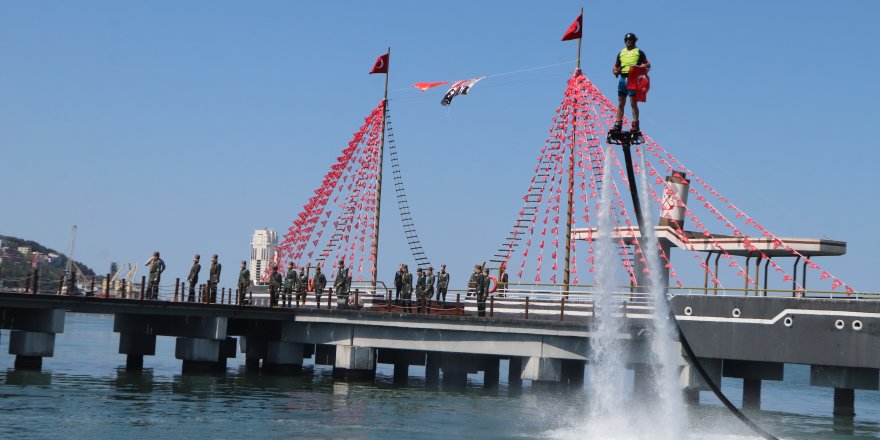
x=183 y=126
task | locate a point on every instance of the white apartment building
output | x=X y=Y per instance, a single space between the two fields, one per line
x=262 y=252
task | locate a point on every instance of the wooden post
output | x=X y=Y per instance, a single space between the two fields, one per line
x=222 y=295
x=176 y=288
x=123 y=288
x=562 y=309
x=60 y=285
x=458 y=309
x=356 y=295
x=27 y=284
x=92 y=287
x=143 y=286
x=107 y=286
x=527 y=307
x=36 y=288
x=492 y=306
x=330 y=300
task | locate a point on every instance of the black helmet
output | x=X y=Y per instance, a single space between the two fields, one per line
x=630 y=36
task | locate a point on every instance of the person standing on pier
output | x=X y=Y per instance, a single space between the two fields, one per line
x=420 y=290
x=244 y=281
x=429 y=286
x=157 y=266
x=628 y=57
x=398 y=283
x=193 y=278
x=319 y=283
x=442 y=283
x=214 y=279
x=475 y=286
x=342 y=284
x=503 y=279
x=302 y=287
x=406 y=286
x=274 y=285
x=289 y=284
x=484 y=290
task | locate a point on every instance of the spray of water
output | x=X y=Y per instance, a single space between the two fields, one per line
x=666 y=357
x=607 y=369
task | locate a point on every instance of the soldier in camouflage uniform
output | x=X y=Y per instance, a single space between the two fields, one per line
x=275 y=282
x=289 y=284
x=319 y=283
x=442 y=283
x=157 y=266
x=406 y=288
x=475 y=286
x=214 y=278
x=420 y=290
x=302 y=286
x=342 y=285
x=429 y=286
x=193 y=278
x=244 y=281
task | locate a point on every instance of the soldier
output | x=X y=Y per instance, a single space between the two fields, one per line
x=244 y=281
x=429 y=286
x=320 y=282
x=341 y=284
x=157 y=266
x=302 y=286
x=193 y=278
x=442 y=283
x=406 y=285
x=475 y=286
x=289 y=284
x=420 y=289
x=214 y=278
x=274 y=285
x=502 y=280
x=398 y=283
x=487 y=282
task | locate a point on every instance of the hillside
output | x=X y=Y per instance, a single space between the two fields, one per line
x=18 y=256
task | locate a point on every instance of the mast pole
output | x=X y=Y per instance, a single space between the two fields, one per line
x=566 y=272
x=379 y=178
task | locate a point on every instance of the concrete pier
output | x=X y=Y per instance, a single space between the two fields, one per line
x=135 y=346
x=283 y=357
x=752 y=373
x=29 y=348
x=354 y=363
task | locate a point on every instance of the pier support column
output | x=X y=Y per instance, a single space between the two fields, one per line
x=491 y=373
x=199 y=355
x=432 y=369
x=514 y=374
x=29 y=348
x=643 y=381
x=691 y=381
x=752 y=373
x=283 y=357
x=456 y=367
x=573 y=372
x=254 y=350
x=355 y=363
x=845 y=380
x=135 y=346
x=401 y=359
x=538 y=369
x=401 y=373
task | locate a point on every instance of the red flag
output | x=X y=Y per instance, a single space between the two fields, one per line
x=427 y=85
x=574 y=31
x=638 y=80
x=381 y=65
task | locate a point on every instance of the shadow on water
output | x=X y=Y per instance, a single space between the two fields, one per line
x=25 y=377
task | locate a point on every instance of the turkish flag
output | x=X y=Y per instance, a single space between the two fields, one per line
x=574 y=31
x=638 y=80
x=381 y=65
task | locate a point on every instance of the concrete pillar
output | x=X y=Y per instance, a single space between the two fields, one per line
x=514 y=374
x=432 y=369
x=454 y=379
x=691 y=396
x=643 y=381
x=491 y=373
x=752 y=373
x=538 y=369
x=29 y=348
x=135 y=346
x=751 y=399
x=354 y=363
x=844 y=380
x=573 y=372
x=401 y=373
x=254 y=350
x=692 y=383
x=283 y=357
x=198 y=355
x=844 y=402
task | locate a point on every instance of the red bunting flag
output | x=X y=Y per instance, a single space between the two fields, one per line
x=574 y=31
x=427 y=85
x=381 y=65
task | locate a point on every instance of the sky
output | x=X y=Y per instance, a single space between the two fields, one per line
x=183 y=126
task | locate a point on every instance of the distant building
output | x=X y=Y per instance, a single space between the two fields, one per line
x=262 y=252
x=24 y=250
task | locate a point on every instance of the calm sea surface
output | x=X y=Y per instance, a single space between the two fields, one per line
x=84 y=393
